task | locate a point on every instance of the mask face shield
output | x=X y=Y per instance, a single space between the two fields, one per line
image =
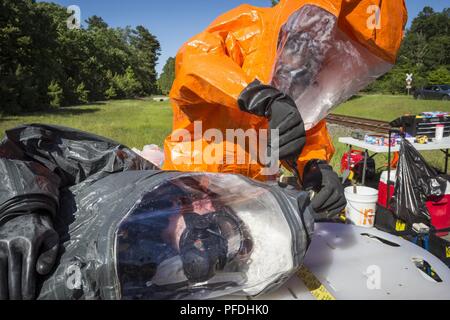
x=204 y=236
x=319 y=65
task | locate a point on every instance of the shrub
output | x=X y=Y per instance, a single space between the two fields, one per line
x=126 y=85
x=111 y=93
x=55 y=94
x=82 y=93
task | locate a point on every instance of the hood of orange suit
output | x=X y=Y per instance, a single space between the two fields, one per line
x=383 y=38
x=376 y=24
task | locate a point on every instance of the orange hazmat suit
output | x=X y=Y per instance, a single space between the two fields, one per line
x=242 y=45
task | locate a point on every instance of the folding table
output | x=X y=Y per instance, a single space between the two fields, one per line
x=443 y=145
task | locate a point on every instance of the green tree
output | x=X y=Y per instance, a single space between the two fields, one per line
x=429 y=37
x=167 y=77
x=111 y=92
x=439 y=76
x=425 y=52
x=146 y=50
x=43 y=63
x=125 y=85
x=82 y=93
x=96 y=22
x=55 y=94
x=27 y=55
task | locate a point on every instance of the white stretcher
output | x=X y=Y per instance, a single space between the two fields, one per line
x=350 y=262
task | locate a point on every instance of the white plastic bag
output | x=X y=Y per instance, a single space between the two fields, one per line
x=319 y=66
x=152 y=153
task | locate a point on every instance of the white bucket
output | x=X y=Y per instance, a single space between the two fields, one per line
x=361 y=206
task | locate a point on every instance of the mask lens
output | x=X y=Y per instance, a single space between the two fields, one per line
x=190 y=237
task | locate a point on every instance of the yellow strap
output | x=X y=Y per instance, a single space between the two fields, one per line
x=351 y=175
x=313 y=284
x=400 y=225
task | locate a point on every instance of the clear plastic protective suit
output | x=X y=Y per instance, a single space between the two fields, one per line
x=320 y=66
x=130 y=231
x=157 y=235
x=205 y=236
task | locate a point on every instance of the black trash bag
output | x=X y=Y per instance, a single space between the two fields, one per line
x=416 y=183
x=37 y=161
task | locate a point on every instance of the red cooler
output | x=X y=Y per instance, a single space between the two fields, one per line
x=439 y=210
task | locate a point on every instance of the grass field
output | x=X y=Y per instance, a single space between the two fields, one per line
x=387 y=107
x=136 y=123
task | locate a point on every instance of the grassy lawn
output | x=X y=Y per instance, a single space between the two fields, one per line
x=136 y=123
x=388 y=107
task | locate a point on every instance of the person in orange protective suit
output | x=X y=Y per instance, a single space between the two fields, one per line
x=309 y=54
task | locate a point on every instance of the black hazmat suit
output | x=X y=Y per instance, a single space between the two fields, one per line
x=111 y=209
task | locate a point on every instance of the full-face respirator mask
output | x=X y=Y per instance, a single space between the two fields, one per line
x=210 y=242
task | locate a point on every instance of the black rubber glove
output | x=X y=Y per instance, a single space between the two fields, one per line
x=329 y=199
x=280 y=109
x=28 y=246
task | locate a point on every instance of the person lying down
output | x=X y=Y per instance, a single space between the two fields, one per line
x=97 y=221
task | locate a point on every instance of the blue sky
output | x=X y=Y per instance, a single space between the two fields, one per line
x=175 y=21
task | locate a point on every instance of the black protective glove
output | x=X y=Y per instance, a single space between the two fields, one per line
x=28 y=246
x=282 y=112
x=329 y=199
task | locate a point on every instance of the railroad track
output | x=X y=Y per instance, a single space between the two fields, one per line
x=360 y=123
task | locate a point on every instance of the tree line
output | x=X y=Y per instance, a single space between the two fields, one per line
x=425 y=52
x=45 y=64
x=167 y=76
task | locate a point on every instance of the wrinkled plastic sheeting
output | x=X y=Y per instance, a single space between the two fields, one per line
x=120 y=237
x=37 y=161
x=320 y=66
x=416 y=183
